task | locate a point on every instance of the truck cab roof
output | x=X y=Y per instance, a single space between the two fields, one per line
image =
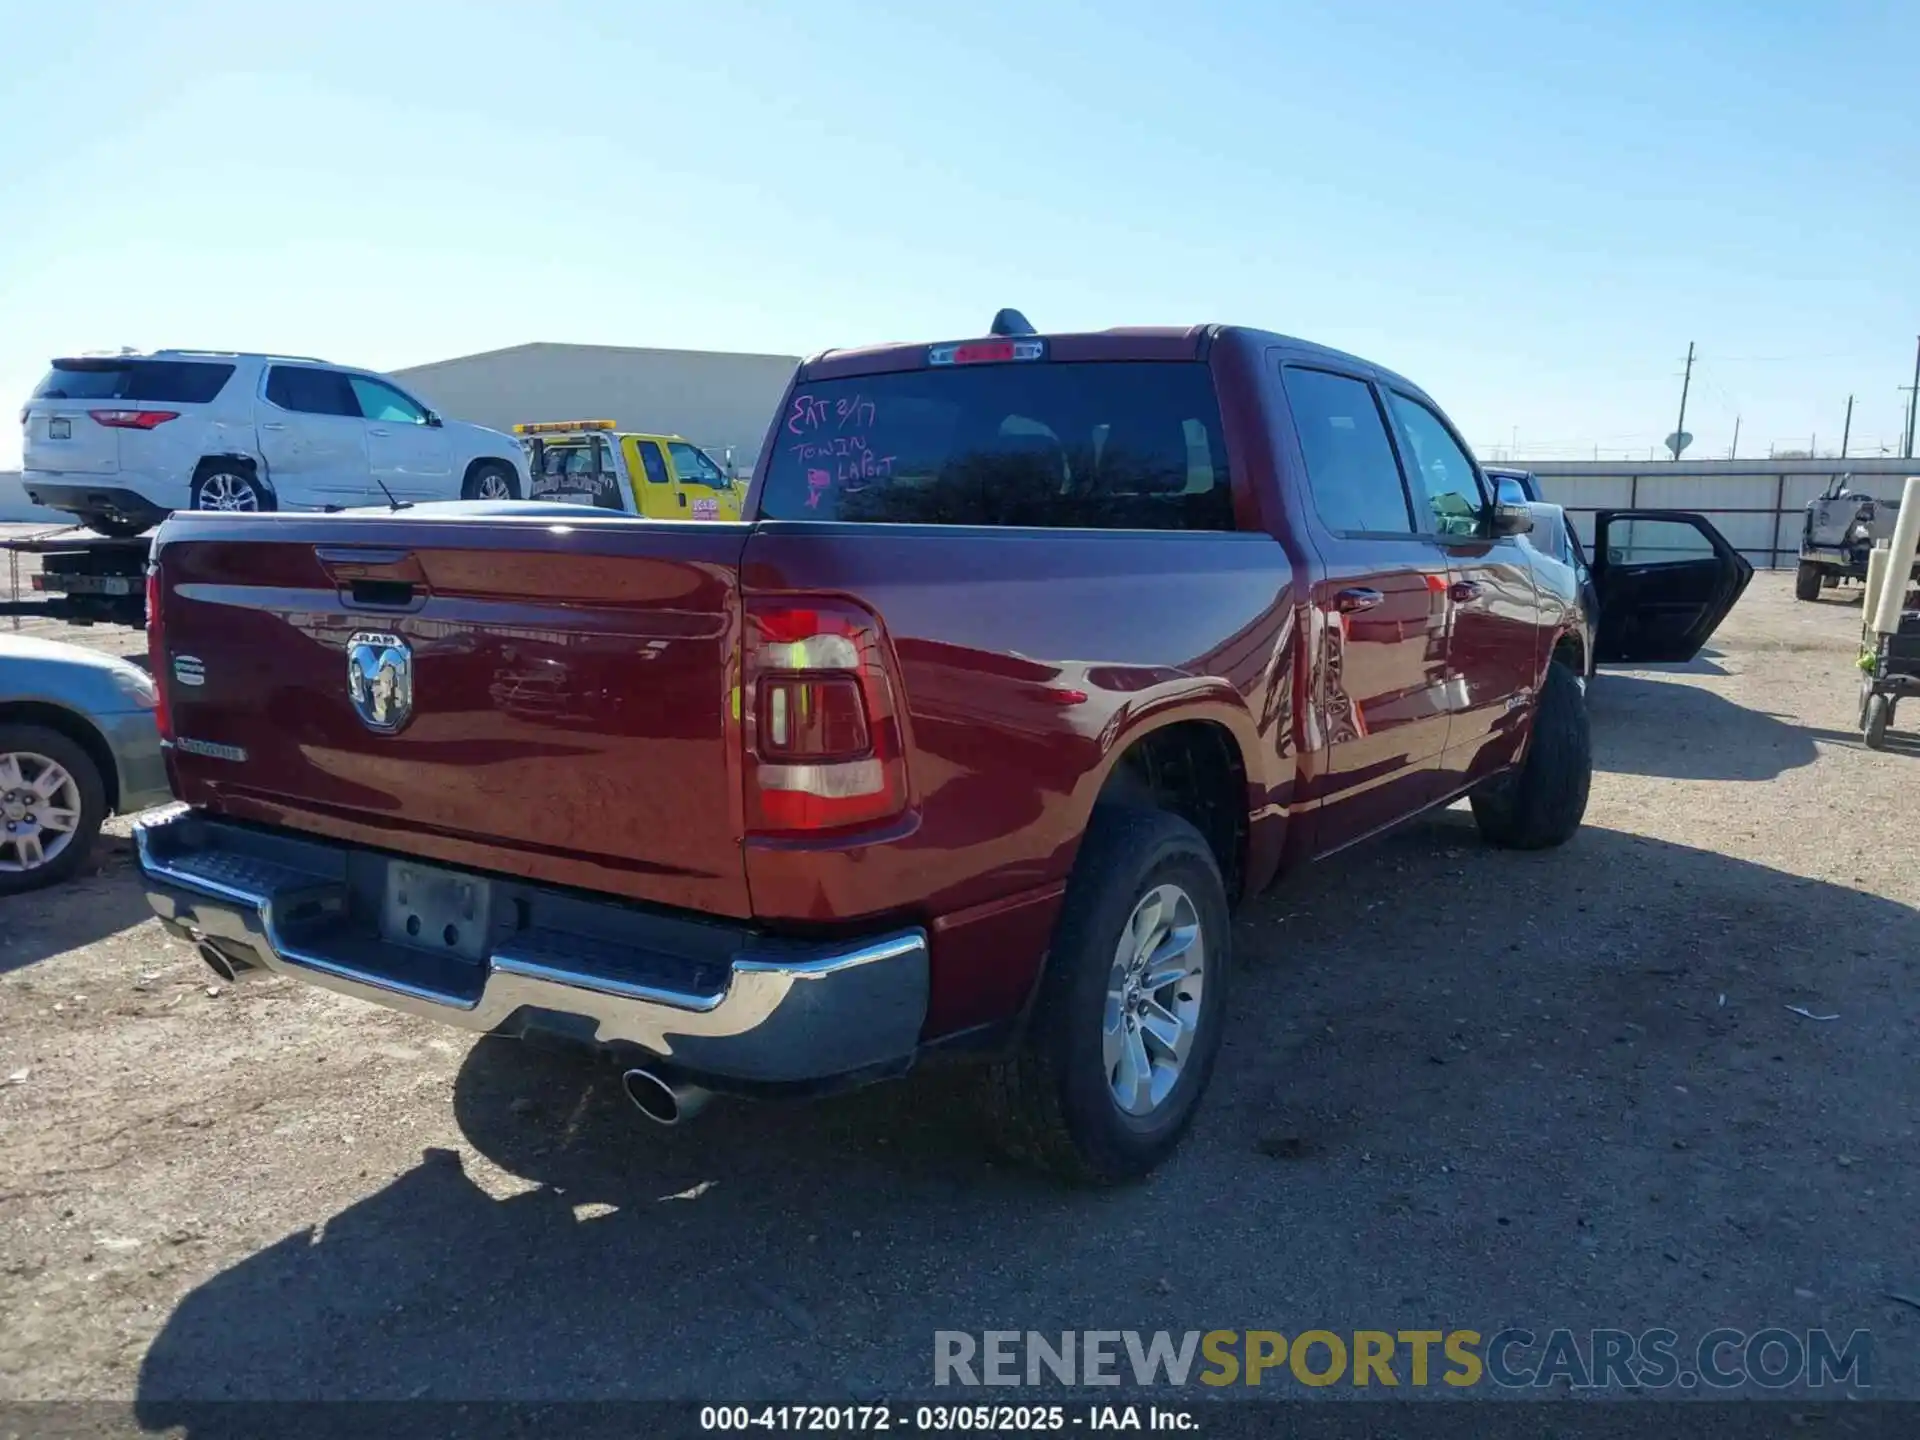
x=1118 y=343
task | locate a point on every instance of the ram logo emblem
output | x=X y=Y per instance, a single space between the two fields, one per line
x=380 y=680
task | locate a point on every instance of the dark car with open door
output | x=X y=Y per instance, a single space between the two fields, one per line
x=1661 y=583
x=1666 y=579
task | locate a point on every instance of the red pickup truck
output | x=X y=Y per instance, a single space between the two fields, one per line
x=1032 y=656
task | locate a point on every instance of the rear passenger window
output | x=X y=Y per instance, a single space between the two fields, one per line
x=309 y=391
x=184 y=382
x=1455 y=504
x=1351 y=468
x=650 y=460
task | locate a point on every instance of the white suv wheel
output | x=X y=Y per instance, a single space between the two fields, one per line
x=226 y=490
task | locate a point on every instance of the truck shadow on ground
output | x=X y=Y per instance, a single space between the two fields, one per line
x=103 y=899
x=1449 y=1072
x=1648 y=726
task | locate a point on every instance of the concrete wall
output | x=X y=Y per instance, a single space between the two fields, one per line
x=14 y=506
x=1756 y=504
x=715 y=399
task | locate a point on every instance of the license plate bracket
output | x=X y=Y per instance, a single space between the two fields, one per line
x=59 y=427
x=439 y=910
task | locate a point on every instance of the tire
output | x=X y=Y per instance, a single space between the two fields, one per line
x=491 y=475
x=1806 y=582
x=1540 y=805
x=113 y=528
x=229 y=485
x=25 y=753
x=1879 y=712
x=1053 y=1103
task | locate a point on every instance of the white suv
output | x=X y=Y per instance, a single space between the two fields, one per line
x=122 y=440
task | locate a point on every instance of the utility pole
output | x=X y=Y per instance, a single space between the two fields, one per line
x=1847 y=434
x=1733 y=450
x=1681 y=428
x=1913 y=394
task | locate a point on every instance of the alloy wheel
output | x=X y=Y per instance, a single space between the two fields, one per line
x=39 y=811
x=224 y=490
x=1153 y=999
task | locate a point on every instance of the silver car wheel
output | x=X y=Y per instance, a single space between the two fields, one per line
x=39 y=809
x=1153 y=999
x=493 y=486
x=225 y=490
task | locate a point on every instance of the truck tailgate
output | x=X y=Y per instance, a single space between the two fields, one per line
x=570 y=690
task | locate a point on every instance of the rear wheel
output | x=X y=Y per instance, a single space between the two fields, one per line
x=52 y=801
x=491 y=481
x=1127 y=1024
x=112 y=526
x=1874 y=728
x=229 y=485
x=1540 y=805
x=1806 y=582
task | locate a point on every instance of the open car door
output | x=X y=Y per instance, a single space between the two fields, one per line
x=1666 y=579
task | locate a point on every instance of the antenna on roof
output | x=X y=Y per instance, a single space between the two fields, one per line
x=1011 y=322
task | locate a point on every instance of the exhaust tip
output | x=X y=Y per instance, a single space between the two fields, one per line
x=216 y=962
x=660 y=1100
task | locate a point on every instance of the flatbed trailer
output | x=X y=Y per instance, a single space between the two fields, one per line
x=83 y=578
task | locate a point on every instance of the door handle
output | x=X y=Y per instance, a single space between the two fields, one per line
x=380 y=433
x=1461 y=591
x=1357 y=597
x=682 y=497
x=271 y=425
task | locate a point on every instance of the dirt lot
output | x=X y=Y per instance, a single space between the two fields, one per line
x=1461 y=1089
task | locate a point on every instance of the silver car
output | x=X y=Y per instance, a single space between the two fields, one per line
x=78 y=742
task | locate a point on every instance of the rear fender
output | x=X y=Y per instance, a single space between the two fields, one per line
x=1197 y=699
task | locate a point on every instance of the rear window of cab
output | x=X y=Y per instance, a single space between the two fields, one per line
x=1131 y=445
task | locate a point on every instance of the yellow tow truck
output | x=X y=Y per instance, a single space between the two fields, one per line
x=660 y=477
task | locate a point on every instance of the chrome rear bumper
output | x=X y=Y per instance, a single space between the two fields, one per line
x=715 y=1001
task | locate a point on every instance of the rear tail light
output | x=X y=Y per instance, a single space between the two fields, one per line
x=823 y=738
x=133 y=419
x=157 y=655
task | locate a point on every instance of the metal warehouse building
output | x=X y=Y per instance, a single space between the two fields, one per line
x=721 y=401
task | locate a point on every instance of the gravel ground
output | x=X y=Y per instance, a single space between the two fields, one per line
x=1461 y=1088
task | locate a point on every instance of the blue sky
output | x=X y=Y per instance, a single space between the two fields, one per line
x=1528 y=208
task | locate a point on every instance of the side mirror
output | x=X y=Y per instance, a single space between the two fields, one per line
x=1511 y=519
x=433 y=420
